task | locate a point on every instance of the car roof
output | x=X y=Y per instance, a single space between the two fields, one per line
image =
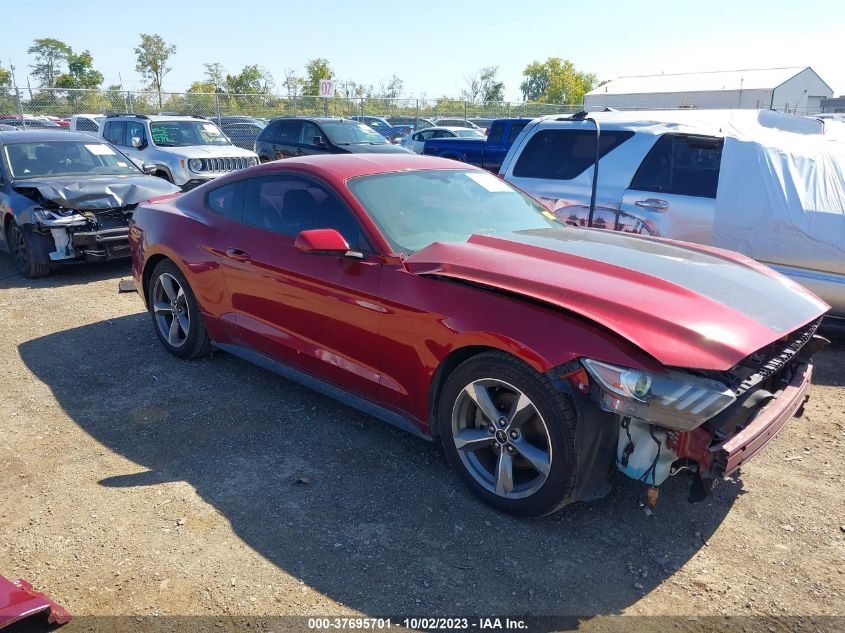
x=344 y=166
x=316 y=119
x=159 y=117
x=450 y=128
x=41 y=135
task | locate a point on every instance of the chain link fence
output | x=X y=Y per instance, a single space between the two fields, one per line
x=25 y=103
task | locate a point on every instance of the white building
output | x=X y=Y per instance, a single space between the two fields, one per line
x=798 y=90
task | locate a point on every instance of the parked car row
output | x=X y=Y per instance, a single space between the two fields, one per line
x=445 y=300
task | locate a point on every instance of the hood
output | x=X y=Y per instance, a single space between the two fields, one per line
x=685 y=305
x=384 y=148
x=207 y=151
x=94 y=192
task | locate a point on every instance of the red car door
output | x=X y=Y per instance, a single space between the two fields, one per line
x=320 y=313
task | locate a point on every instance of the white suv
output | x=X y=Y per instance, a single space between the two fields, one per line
x=188 y=151
x=766 y=184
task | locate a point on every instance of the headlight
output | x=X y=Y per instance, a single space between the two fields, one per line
x=675 y=399
x=252 y=162
x=195 y=164
x=58 y=218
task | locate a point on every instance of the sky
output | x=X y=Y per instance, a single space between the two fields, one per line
x=435 y=45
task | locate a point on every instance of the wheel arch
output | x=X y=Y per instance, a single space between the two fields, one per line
x=149 y=267
x=451 y=362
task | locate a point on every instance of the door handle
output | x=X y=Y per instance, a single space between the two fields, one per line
x=238 y=254
x=655 y=204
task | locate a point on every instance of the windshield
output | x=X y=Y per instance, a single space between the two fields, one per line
x=64 y=158
x=466 y=132
x=352 y=134
x=416 y=208
x=184 y=133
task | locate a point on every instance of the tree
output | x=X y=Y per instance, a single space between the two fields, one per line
x=315 y=70
x=151 y=60
x=81 y=73
x=392 y=88
x=5 y=78
x=555 y=81
x=50 y=54
x=251 y=80
x=293 y=82
x=491 y=88
x=214 y=72
x=483 y=86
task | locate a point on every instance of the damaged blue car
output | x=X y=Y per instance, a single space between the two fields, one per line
x=67 y=198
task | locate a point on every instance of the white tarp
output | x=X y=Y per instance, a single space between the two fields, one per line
x=781 y=197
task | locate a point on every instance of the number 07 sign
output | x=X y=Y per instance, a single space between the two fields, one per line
x=327 y=87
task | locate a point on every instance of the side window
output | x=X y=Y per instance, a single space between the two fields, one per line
x=496 y=133
x=418 y=137
x=85 y=125
x=560 y=154
x=228 y=200
x=134 y=129
x=115 y=132
x=681 y=165
x=289 y=205
x=516 y=128
x=287 y=132
x=309 y=131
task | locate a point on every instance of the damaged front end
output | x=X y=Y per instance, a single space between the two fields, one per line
x=85 y=219
x=704 y=423
x=80 y=234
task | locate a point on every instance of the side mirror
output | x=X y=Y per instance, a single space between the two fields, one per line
x=137 y=143
x=324 y=242
x=318 y=141
x=148 y=169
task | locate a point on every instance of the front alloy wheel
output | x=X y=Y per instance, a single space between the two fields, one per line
x=509 y=433
x=19 y=247
x=501 y=438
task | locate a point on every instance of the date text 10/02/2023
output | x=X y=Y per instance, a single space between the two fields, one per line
x=418 y=623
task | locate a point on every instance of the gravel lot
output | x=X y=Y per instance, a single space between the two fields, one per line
x=136 y=483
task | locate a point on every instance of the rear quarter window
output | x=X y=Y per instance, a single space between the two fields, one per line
x=558 y=154
x=228 y=200
x=683 y=165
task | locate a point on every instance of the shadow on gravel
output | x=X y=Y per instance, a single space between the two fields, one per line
x=69 y=275
x=365 y=514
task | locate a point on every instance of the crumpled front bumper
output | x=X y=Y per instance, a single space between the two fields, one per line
x=734 y=451
x=103 y=245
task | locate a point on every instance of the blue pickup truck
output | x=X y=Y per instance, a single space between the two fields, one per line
x=487 y=153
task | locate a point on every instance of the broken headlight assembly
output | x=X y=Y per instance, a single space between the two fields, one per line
x=674 y=399
x=57 y=218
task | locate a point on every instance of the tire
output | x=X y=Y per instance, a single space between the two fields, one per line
x=21 y=249
x=540 y=453
x=179 y=326
x=164 y=175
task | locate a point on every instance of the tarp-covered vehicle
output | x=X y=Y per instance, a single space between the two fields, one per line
x=67 y=197
x=766 y=184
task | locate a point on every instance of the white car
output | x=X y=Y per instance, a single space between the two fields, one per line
x=88 y=123
x=416 y=141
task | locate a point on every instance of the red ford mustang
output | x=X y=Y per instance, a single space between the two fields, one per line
x=435 y=296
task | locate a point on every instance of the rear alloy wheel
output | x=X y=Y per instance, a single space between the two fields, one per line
x=509 y=434
x=175 y=313
x=19 y=247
